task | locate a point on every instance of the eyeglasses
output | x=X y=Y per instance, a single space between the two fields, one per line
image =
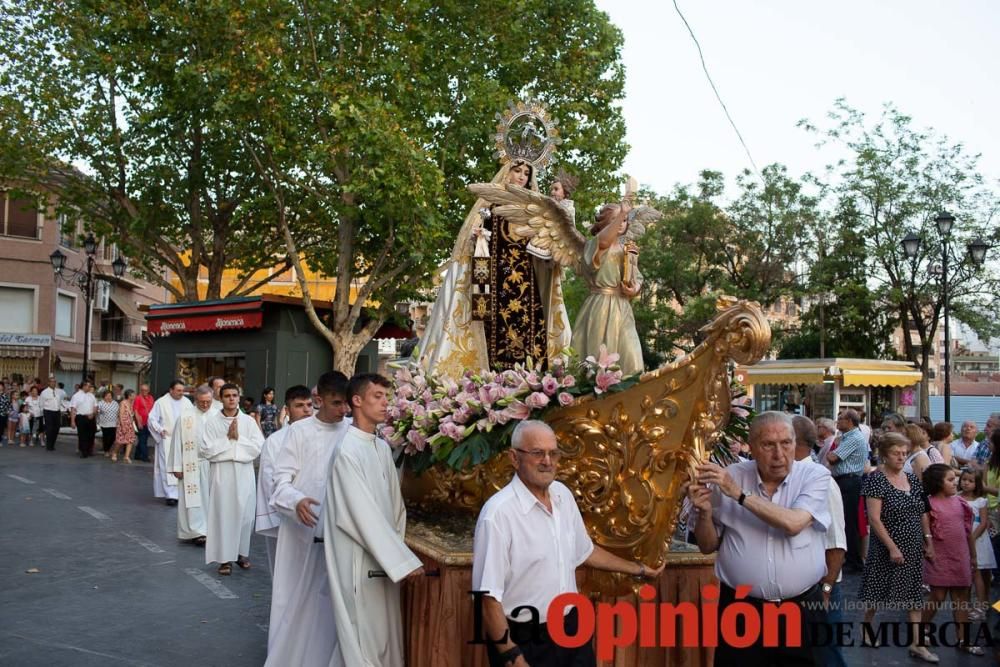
x=540 y=454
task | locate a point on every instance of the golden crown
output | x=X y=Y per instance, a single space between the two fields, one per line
x=526 y=132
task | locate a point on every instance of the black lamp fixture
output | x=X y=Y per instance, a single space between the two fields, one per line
x=944 y=221
x=118 y=266
x=911 y=245
x=977 y=251
x=90 y=244
x=58 y=261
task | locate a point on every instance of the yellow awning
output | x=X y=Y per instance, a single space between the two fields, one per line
x=881 y=378
x=784 y=376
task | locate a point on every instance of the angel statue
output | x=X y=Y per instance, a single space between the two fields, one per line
x=608 y=262
x=497 y=304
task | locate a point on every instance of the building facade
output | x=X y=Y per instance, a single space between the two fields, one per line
x=43 y=316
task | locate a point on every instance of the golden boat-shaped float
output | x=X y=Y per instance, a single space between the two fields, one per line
x=628 y=455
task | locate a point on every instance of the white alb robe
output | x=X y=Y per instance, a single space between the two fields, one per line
x=192 y=499
x=364 y=522
x=302 y=629
x=268 y=520
x=231 y=504
x=166 y=410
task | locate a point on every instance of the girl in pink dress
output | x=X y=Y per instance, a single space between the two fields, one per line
x=950 y=572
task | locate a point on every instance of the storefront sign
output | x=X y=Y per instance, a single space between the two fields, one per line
x=30 y=340
x=217 y=322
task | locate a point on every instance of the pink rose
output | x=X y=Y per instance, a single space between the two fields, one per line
x=565 y=398
x=550 y=385
x=417 y=439
x=568 y=381
x=536 y=400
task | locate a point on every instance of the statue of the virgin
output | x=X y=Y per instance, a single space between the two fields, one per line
x=497 y=304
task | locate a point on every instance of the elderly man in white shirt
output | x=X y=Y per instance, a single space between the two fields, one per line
x=529 y=540
x=51 y=399
x=767 y=518
x=82 y=412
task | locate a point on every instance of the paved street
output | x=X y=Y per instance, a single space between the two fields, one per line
x=115 y=587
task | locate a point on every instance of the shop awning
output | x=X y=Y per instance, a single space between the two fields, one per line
x=70 y=363
x=21 y=352
x=127 y=306
x=850 y=372
x=881 y=378
x=390 y=330
x=755 y=375
x=224 y=315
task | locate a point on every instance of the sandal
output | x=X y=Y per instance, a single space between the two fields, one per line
x=971 y=650
x=200 y=541
x=226 y=569
x=243 y=562
x=921 y=653
x=114 y=459
x=127 y=460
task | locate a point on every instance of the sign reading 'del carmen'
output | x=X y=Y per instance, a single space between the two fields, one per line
x=29 y=340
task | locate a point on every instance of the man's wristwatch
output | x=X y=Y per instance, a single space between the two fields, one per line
x=510 y=655
x=827 y=588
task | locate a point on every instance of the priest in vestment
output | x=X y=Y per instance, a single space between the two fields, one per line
x=192 y=471
x=165 y=412
x=364 y=521
x=302 y=629
x=231 y=442
x=298 y=405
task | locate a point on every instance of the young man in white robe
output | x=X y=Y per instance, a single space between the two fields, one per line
x=166 y=410
x=298 y=405
x=231 y=442
x=302 y=630
x=192 y=471
x=364 y=521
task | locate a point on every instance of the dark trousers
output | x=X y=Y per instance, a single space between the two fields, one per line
x=758 y=655
x=53 y=419
x=850 y=489
x=141 y=448
x=85 y=432
x=3 y=426
x=541 y=651
x=108 y=437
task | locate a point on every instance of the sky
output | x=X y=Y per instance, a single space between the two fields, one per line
x=775 y=62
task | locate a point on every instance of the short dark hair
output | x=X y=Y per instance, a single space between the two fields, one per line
x=265 y=392
x=298 y=392
x=107 y=392
x=331 y=383
x=934 y=475
x=359 y=384
x=942 y=430
x=174 y=383
x=229 y=385
x=979 y=489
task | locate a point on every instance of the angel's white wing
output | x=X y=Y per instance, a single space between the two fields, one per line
x=535 y=216
x=639 y=219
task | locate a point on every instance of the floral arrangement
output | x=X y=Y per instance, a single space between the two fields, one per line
x=465 y=422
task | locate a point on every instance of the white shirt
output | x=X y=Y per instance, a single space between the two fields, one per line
x=836 y=532
x=751 y=552
x=84 y=403
x=524 y=555
x=52 y=399
x=34 y=405
x=961 y=450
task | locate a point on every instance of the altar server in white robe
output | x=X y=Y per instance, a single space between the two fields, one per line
x=364 y=522
x=190 y=469
x=165 y=412
x=231 y=442
x=302 y=630
x=298 y=405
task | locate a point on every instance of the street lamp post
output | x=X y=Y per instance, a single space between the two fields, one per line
x=86 y=280
x=976 y=254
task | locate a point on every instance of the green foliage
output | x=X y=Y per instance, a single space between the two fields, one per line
x=704 y=248
x=112 y=104
x=895 y=180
